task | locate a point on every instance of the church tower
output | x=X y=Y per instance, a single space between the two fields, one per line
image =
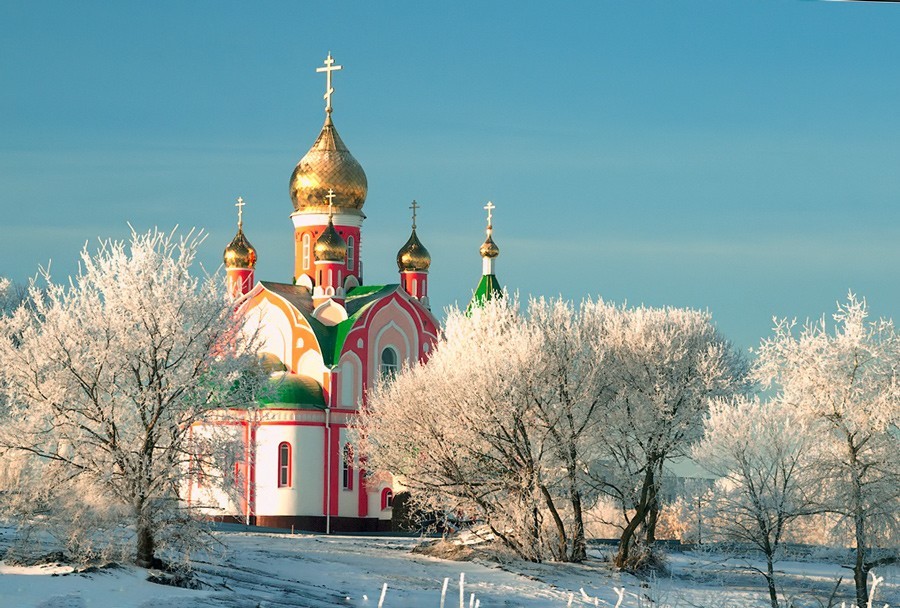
x=413 y=261
x=240 y=259
x=489 y=287
x=328 y=188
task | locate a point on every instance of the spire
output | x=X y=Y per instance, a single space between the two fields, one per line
x=488 y=287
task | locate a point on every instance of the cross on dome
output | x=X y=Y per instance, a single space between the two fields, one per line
x=330 y=196
x=328 y=69
x=240 y=205
x=414 y=206
x=490 y=208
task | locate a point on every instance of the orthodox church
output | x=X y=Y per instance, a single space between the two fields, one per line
x=327 y=337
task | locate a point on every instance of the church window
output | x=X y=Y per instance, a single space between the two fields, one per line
x=350 y=253
x=389 y=363
x=347 y=467
x=306 y=251
x=284 y=465
x=387 y=499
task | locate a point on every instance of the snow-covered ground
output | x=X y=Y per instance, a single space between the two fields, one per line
x=277 y=570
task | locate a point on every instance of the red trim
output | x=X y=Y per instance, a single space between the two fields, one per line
x=387 y=497
x=363 y=502
x=335 y=467
x=284 y=480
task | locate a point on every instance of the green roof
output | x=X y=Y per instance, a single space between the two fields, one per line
x=291 y=391
x=488 y=289
x=331 y=337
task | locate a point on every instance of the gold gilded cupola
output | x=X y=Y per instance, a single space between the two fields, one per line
x=413 y=257
x=328 y=165
x=240 y=253
x=330 y=246
x=413 y=260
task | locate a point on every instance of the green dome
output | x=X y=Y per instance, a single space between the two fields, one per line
x=291 y=391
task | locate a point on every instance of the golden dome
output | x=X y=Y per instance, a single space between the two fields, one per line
x=329 y=165
x=240 y=253
x=489 y=248
x=413 y=257
x=330 y=246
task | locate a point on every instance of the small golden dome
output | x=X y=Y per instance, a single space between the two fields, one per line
x=330 y=246
x=489 y=248
x=328 y=165
x=413 y=257
x=240 y=253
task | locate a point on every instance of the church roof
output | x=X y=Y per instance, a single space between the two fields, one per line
x=331 y=337
x=488 y=289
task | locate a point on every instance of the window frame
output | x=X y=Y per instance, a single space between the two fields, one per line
x=306 y=250
x=347 y=467
x=285 y=465
x=385 y=369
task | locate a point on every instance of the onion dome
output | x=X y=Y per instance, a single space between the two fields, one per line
x=240 y=253
x=489 y=248
x=292 y=391
x=330 y=246
x=413 y=257
x=329 y=165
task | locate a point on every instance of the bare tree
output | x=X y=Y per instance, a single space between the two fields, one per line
x=760 y=452
x=844 y=382
x=103 y=377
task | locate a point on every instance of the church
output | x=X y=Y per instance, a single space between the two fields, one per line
x=326 y=338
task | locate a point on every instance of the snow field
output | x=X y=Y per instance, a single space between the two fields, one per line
x=281 y=570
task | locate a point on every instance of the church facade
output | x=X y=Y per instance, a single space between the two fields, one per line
x=326 y=339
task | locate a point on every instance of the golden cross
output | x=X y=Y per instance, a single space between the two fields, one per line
x=490 y=208
x=240 y=205
x=330 y=197
x=328 y=69
x=414 y=206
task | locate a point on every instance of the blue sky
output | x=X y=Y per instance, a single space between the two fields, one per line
x=741 y=156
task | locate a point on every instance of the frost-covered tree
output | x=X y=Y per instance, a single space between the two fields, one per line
x=843 y=382
x=460 y=431
x=759 y=450
x=103 y=377
x=524 y=419
x=667 y=363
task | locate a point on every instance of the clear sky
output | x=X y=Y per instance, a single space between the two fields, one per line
x=741 y=156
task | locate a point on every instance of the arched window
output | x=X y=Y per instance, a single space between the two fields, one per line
x=306 y=251
x=347 y=467
x=387 y=499
x=284 y=465
x=350 y=253
x=389 y=362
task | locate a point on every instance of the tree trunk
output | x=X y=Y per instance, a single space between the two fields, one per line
x=860 y=570
x=145 y=542
x=640 y=516
x=653 y=508
x=563 y=546
x=770 y=579
x=579 y=544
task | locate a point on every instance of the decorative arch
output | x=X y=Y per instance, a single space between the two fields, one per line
x=387 y=499
x=351 y=372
